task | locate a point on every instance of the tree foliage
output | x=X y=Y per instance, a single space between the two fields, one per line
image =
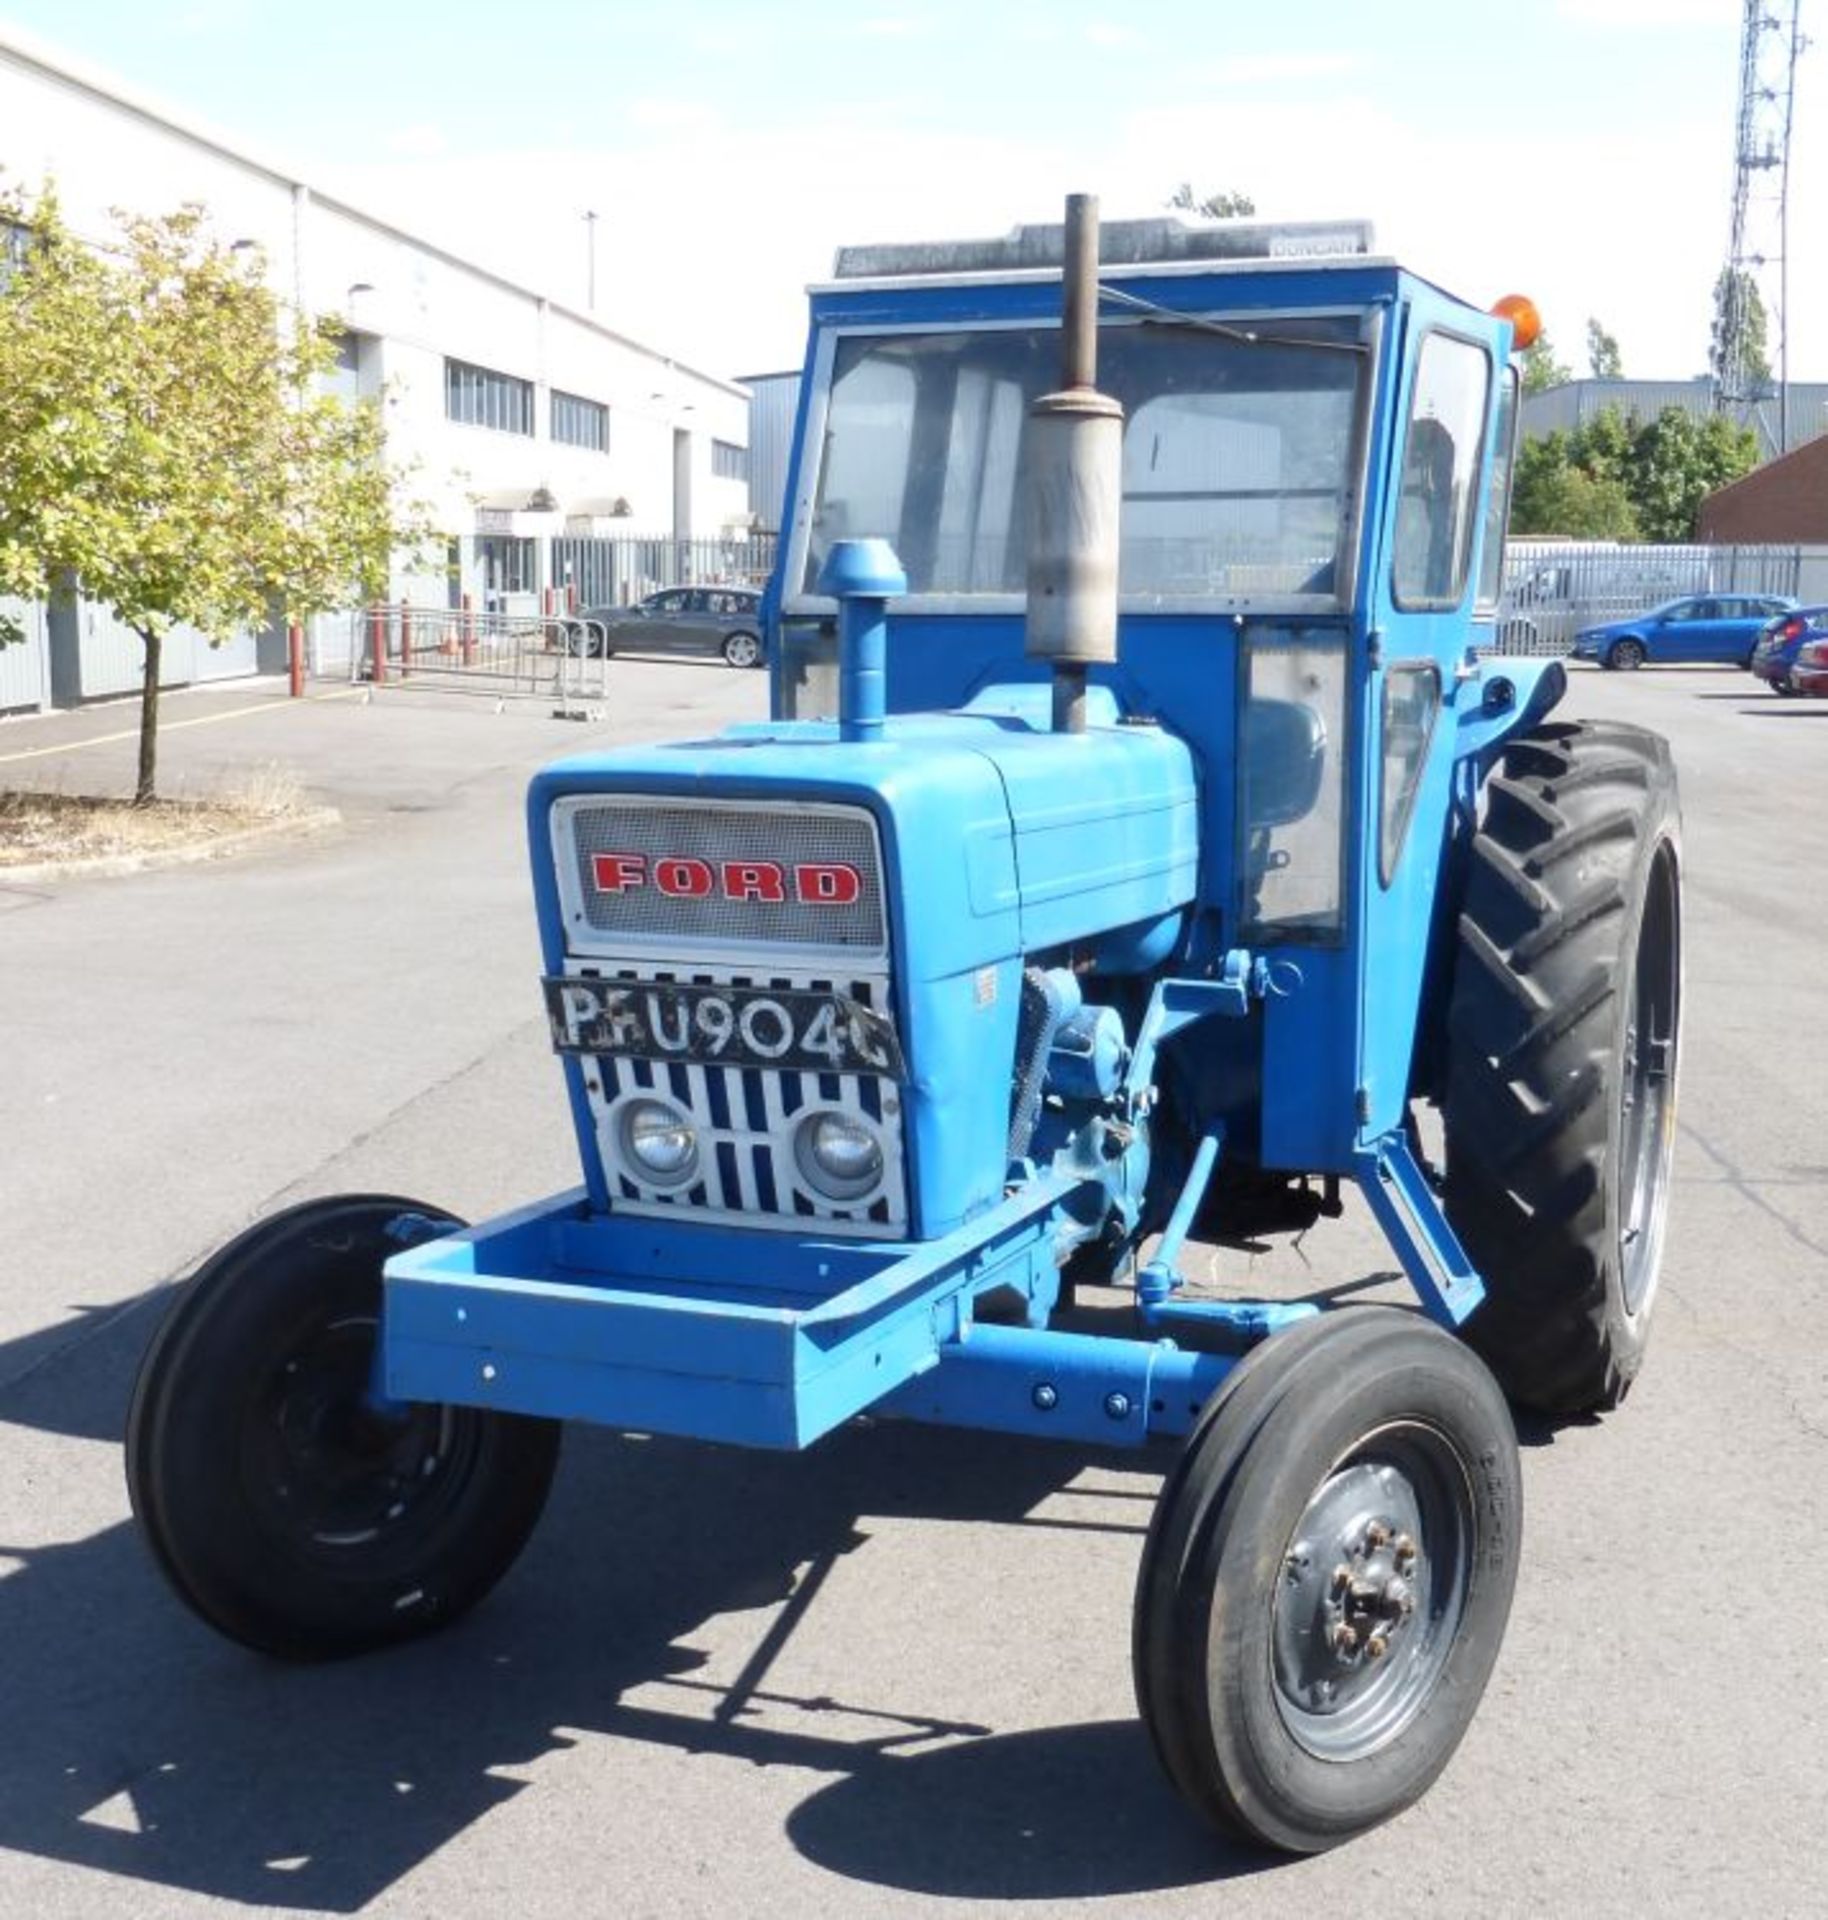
x=1214 y=206
x=1738 y=306
x=169 y=444
x=1603 y=357
x=1615 y=477
x=1541 y=369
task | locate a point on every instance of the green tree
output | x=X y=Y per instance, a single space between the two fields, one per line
x=1616 y=477
x=167 y=441
x=1541 y=369
x=1551 y=493
x=1739 y=306
x=1215 y=206
x=1677 y=460
x=1603 y=356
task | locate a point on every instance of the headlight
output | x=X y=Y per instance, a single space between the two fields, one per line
x=838 y=1155
x=660 y=1141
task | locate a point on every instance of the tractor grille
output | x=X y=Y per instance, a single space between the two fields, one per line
x=715 y=839
x=746 y=1118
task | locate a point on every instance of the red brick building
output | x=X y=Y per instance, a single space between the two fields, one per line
x=1783 y=501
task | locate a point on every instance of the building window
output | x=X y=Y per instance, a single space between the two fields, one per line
x=729 y=462
x=482 y=398
x=506 y=563
x=580 y=423
x=14 y=242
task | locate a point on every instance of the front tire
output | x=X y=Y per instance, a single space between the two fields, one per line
x=286 y=1509
x=1292 y=1706
x=742 y=650
x=1625 y=655
x=1564 y=1030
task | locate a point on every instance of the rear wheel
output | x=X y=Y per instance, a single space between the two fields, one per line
x=742 y=650
x=1327 y=1579
x=1625 y=654
x=1559 y=1106
x=285 y=1506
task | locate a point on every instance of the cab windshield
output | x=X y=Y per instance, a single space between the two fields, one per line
x=1239 y=454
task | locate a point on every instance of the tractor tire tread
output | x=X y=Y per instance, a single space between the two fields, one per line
x=1548 y=906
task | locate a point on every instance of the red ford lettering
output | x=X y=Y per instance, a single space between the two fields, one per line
x=760 y=880
x=683 y=879
x=617 y=872
x=834 y=885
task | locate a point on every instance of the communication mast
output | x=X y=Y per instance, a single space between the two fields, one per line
x=1770 y=40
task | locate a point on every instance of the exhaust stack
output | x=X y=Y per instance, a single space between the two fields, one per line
x=1074 y=472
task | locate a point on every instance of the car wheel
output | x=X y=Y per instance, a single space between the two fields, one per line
x=1626 y=655
x=742 y=650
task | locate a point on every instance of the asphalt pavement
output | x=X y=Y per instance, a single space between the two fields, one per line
x=892 y=1675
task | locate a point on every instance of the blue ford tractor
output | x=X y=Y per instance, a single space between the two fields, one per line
x=1140 y=849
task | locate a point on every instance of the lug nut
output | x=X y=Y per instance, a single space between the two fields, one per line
x=1375 y=1535
x=1403 y=1547
x=1377 y=1646
x=1342 y=1579
x=1344 y=1638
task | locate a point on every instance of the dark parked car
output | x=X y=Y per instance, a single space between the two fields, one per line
x=1774 y=658
x=1810 y=673
x=1718 y=627
x=707 y=620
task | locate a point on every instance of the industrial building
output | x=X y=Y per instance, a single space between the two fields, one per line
x=1780 y=427
x=556 y=453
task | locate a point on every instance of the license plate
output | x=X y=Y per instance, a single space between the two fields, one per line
x=784 y=1027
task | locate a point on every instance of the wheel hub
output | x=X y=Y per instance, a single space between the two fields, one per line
x=336 y=1471
x=1365 y=1610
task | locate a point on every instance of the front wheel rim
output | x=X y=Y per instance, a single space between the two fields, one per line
x=1374 y=1588
x=330 y=1476
x=742 y=650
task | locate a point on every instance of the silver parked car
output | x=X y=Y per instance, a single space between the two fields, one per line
x=726 y=621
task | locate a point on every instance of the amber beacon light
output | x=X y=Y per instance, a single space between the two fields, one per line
x=1526 y=323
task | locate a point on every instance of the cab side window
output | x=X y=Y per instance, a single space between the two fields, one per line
x=1441 y=466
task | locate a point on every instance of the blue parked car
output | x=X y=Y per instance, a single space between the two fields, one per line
x=1774 y=657
x=1722 y=628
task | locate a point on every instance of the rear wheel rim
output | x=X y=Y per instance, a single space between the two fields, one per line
x=742 y=649
x=1373 y=1591
x=1646 y=1086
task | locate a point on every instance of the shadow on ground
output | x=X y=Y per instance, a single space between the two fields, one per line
x=138 y=1744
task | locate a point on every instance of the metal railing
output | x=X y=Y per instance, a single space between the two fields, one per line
x=557 y=657
x=1552 y=590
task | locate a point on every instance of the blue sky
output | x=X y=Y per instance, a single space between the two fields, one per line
x=1577 y=150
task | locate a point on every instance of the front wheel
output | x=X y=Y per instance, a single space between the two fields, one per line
x=1327 y=1579
x=742 y=650
x=1625 y=655
x=287 y=1508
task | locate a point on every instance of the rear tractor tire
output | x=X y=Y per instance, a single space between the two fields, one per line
x=1559 y=1105
x=1327 y=1578
x=285 y=1507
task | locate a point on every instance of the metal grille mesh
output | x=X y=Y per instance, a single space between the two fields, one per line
x=788 y=837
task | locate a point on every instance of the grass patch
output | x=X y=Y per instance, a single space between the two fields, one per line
x=55 y=828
